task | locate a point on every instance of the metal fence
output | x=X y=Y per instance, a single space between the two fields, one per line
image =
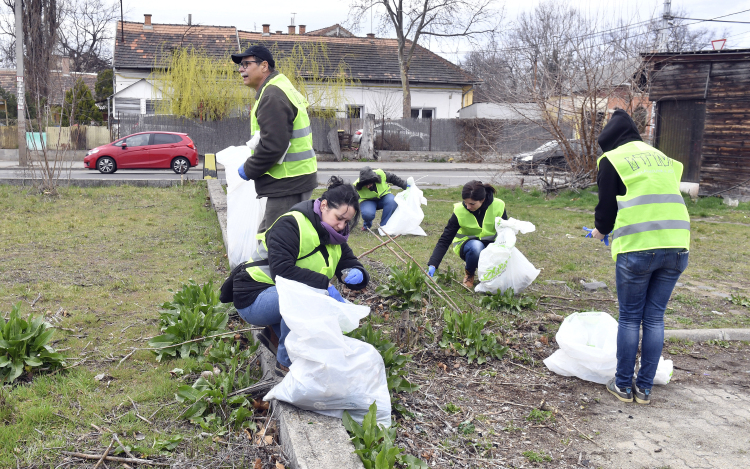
x=469 y=136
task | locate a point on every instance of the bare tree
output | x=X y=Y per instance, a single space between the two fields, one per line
x=384 y=104
x=411 y=20
x=86 y=34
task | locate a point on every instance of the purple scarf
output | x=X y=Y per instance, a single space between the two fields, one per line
x=334 y=236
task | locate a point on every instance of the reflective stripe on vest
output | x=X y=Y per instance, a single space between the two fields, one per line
x=470 y=229
x=381 y=188
x=300 y=157
x=652 y=213
x=309 y=242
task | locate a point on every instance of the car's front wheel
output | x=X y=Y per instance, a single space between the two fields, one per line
x=415 y=143
x=106 y=165
x=180 y=165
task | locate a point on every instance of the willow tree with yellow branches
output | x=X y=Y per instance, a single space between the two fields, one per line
x=196 y=85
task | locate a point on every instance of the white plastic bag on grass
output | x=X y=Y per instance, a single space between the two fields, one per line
x=244 y=209
x=588 y=347
x=501 y=264
x=330 y=372
x=664 y=371
x=408 y=215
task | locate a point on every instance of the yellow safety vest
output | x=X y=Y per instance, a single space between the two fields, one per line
x=652 y=213
x=381 y=188
x=470 y=229
x=309 y=257
x=300 y=158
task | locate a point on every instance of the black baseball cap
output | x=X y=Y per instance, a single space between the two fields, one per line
x=258 y=51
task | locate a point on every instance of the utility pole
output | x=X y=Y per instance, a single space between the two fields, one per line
x=666 y=19
x=20 y=89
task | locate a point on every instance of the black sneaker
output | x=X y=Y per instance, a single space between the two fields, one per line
x=281 y=370
x=642 y=396
x=625 y=395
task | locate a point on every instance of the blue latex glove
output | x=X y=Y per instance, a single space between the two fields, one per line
x=333 y=293
x=431 y=271
x=241 y=172
x=590 y=230
x=355 y=277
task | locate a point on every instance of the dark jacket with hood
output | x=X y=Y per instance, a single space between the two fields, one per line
x=276 y=116
x=619 y=130
x=368 y=175
x=451 y=229
x=282 y=240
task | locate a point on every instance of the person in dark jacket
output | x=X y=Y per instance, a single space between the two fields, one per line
x=375 y=194
x=641 y=205
x=470 y=229
x=280 y=118
x=321 y=226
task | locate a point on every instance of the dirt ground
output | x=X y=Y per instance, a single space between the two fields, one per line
x=481 y=416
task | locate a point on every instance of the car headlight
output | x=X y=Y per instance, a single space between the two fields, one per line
x=91 y=152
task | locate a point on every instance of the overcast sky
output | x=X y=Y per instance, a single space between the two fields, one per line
x=317 y=14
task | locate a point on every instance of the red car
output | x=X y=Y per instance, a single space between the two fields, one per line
x=145 y=150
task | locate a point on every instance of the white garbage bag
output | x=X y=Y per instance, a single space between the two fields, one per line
x=408 y=215
x=588 y=347
x=244 y=209
x=664 y=371
x=501 y=264
x=330 y=372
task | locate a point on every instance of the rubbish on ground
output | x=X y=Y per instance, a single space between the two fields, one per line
x=588 y=349
x=244 y=209
x=664 y=371
x=408 y=215
x=501 y=264
x=330 y=372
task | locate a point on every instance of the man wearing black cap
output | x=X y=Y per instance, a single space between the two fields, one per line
x=283 y=163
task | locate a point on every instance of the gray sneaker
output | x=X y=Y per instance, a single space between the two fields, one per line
x=625 y=395
x=642 y=396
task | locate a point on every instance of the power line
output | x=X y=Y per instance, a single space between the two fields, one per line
x=713 y=21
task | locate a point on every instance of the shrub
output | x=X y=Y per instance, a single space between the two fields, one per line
x=23 y=346
x=405 y=285
x=463 y=332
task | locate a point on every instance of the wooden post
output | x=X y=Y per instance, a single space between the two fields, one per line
x=430 y=144
x=367 y=144
x=20 y=89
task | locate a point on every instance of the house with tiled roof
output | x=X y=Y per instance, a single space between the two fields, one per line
x=61 y=79
x=439 y=88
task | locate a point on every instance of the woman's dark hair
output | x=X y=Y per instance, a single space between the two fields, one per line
x=475 y=190
x=340 y=193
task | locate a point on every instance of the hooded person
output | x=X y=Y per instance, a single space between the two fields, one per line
x=640 y=204
x=375 y=194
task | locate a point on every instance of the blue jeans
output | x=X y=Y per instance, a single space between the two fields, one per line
x=645 y=280
x=387 y=204
x=265 y=312
x=470 y=253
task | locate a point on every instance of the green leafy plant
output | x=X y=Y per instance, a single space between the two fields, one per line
x=194 y=312
x=467 y=428
x=210 y=403
x=506 y=301
x=452 y=408
x=540 y=416
x=740 y=300
x=375 y=444
x=23 y=346
x=446 y=276
x=394 y=361
x=463 y=332
x=224 y=351
x=406 y=285
x=533 y=456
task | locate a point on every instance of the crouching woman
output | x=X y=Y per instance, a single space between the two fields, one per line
x=470 y=229
x=308 y=244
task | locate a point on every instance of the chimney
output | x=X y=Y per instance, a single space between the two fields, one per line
x=279 y=32
x=147 y=21
x=266 y=29
x=371 y=35
x=190 y=19
x=302 y=28
x=290 y=29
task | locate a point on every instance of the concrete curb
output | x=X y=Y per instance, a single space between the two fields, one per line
x=702 y=335
x=309 y=440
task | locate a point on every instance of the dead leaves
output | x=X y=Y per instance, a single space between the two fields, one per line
x=260 y=405
x=443 y=367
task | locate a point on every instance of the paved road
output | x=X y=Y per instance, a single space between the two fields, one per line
x=426 y=174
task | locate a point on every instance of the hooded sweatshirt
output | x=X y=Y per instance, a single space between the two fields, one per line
x=619 y=130
x=368 y=175
x=282 y=240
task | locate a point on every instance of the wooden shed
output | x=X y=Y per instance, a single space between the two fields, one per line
x=703 y=116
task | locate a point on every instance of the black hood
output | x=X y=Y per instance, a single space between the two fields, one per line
x=619 y=130
x=366 y=177
x=307 y=208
